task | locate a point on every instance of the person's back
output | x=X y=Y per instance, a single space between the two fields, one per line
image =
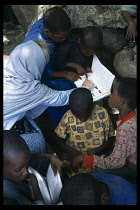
x=86 y=127
x=85 y=123
x=98 y=189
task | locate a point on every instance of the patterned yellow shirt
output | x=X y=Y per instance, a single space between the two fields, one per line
x=86 y=135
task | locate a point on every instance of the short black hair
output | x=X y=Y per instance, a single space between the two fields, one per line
x=56 y=20
x=13 y=144
x=91 y=37
x=81 y=102
x=81 y=189
x=127 y=88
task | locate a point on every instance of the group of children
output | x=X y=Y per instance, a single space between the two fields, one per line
x=85 y=139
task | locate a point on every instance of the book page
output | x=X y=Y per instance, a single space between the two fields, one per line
x=102 y=74
x=42 y=185
x=102 y=79
x=54 y=184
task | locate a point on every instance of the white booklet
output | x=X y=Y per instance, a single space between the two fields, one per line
x=50 y=186
x=102 y=79
x=54 y=185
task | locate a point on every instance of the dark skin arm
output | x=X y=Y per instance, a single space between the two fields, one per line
x=131 y=33
x=55 y=162
x=80 y=70
x=72 y=76
x=35 y=187
x=61 y=148
x=78 y=160
x=104 y=147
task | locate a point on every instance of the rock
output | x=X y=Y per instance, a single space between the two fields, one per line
x=114 y=39
x=6 y=40
x=96 y=15
x=125 y=63
x=24 y=14
x=108 y=18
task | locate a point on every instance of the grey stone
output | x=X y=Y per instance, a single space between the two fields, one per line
x=125 y=63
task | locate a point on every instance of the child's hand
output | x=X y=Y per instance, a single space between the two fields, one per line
x=32 y=180
x=92 y=152
x=71 y=152
x=131 y=33
x=72 y=76
x=88 y=84
x=76 y=161
x=80 y=70
x=33 y=183
x=56 y=164
x=88 y=69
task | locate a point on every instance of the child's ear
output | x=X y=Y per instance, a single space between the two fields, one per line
x=104 y=198
x=122 y=101
x=78 y=40
x=46 y=31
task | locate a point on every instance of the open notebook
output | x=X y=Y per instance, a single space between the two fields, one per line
x=50 y=186
x=102 y=79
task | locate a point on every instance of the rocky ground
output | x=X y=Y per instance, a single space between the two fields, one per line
x=13 y=35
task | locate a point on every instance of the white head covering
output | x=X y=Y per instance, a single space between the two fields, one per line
x=23 y=90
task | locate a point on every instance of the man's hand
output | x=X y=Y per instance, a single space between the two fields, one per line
x=76 y=161
x=89 y=84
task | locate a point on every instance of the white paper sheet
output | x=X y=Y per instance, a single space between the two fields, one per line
x=102 y=79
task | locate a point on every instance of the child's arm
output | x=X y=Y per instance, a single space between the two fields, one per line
x=64 y=74
x=131 y=33
x=88 y=69
x=33 y=183
x=61 y=148
x=80 y=70
x=103 y=148
x=55 y=162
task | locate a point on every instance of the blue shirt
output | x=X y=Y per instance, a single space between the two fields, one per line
x=37 y=33
x=122 y=192
x=19 y=191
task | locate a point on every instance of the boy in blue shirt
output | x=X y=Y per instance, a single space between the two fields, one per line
x=53 y=27
x=98 y=189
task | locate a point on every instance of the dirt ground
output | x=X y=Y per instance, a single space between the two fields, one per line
x=13 y=35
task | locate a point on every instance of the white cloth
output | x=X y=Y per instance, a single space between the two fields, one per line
x=130 y=8
x=23 y=91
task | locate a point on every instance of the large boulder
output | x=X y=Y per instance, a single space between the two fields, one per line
x=24 y=14
x=125 y=62
x=114 y=39
x=108 y=18
x=96 y=15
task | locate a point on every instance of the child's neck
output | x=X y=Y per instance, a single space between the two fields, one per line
x=124 y=112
